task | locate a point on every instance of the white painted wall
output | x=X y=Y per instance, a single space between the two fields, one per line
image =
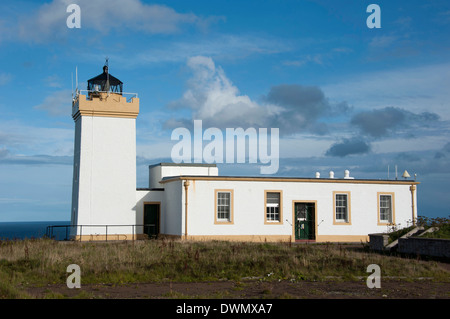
x=158 y=172
x=147 y=196
x=171 y=200
x=76 y=173
x=173 y=209
x=249 y=207
x=105 y=154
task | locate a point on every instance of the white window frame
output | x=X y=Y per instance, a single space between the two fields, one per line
x=222 y=202
x=341 y=208
x=384 y=208
x=273 y=211
x=391 y=217
x=346 y=220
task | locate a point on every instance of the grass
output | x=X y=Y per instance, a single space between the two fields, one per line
x=443 y=224
x=442 y=233
x=41 y=262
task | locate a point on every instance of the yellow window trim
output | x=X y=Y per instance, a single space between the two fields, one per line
x=269 y=222
x=349 y=208
x=224 y=222
x=380 y=222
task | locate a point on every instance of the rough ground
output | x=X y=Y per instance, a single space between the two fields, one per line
x=253 y=289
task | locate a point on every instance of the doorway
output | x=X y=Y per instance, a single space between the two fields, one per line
x=152 y=217
x=305 y=220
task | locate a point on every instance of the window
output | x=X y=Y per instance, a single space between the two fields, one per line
x=385 y=208
x=224 y=206
x=273 y=207
x=341 y=207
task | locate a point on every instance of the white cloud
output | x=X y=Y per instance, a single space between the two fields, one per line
x=310 y=58
x=53 y=81
x=57 y=103
x=219 y=47
x=421 y=143
x=416 y=89
x=322 y=59
x=382 y=41
x=19 y=140
x=214 y=99
x=49 y=21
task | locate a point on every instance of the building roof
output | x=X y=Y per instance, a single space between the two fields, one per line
x=184 y=165
x=288 y=179
x=105 y=81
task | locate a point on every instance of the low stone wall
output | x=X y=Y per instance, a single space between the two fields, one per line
x=425 y=246
x=378 y=241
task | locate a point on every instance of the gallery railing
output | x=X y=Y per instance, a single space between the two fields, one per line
x=75 y=232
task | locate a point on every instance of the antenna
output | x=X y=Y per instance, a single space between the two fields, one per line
x=76 y=79
x=396 y=177
x=71 y=76
x=388 y=171
x=107 y=74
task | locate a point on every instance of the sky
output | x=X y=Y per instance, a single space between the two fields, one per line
x=343 y=95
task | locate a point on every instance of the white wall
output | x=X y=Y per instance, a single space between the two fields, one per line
x=158 y=172
x=249 y=207
x=107 y=172
x=172 y=212
x=76 y=173
x=147 y=196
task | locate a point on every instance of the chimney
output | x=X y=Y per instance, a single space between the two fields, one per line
x=347 y=174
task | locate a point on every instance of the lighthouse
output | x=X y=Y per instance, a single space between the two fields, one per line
x=104 y=170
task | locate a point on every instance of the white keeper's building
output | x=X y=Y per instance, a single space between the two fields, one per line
x=193 y=202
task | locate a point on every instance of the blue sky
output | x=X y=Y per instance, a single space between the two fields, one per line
x=344 y=96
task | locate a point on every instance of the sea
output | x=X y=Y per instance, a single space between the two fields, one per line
x=31 y=230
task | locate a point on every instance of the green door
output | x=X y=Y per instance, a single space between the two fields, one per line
x=304 y=221
x=151 y=220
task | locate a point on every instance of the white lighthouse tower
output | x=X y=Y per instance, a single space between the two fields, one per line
x=104 y=178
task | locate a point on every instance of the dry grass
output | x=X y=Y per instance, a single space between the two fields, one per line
x=41 y=262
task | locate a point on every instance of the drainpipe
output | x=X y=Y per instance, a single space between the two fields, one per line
x=186 y=185
x=412 y=189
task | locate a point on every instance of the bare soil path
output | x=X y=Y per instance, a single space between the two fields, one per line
x=252 y=289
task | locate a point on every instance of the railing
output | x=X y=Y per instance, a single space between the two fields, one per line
x=127 y=95
x=76 y=231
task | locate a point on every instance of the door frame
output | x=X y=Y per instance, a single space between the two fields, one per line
x=294 y=221
x=159 y=215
